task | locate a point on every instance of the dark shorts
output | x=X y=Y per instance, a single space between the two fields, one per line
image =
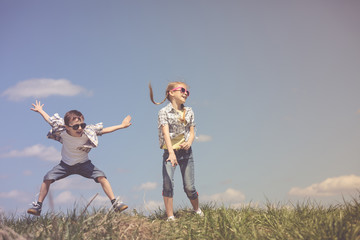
x=86 y=169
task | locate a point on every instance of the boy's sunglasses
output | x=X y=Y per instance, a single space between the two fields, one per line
x=76 y=126
x=183 y=90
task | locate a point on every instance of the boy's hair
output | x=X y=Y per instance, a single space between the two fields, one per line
x=73 y=115
x=170 y=86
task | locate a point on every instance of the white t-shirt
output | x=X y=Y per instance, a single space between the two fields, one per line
x=70 y=152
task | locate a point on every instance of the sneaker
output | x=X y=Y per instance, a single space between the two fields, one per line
x=199 y=212
x=35 y=210
x=171 y=218
x=119 y=206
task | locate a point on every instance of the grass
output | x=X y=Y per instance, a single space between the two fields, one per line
x=307 y=220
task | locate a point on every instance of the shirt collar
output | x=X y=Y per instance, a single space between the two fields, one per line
x=170 y=108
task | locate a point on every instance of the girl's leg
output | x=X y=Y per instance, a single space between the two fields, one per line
x=188 y=176
x=168 y=201
x=168 y=184
x=195 y=204
x=106 y=187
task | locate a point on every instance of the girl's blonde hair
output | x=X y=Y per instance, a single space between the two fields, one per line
x=170 y=86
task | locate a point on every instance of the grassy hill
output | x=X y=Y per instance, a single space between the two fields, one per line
x=308 y=220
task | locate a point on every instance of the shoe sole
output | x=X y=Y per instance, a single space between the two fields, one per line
x=33 y=212
x=121 y=209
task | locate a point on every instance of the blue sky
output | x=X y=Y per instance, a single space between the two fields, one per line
x=274 y=87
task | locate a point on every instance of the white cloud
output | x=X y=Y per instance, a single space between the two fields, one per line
x=11 y=194
x=329 y=187
x=230 y=196
x=41 y=88
x=65 y=198
x=40 y=151
x=16 y=195
x=147 y=186
x=203 y=138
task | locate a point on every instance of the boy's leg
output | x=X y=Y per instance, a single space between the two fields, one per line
x=118 y=206
x=88 y=170
x=44 y=189
x=58 y=172
x=106 y=187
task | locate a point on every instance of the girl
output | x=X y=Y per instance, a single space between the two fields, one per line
x=176 y=134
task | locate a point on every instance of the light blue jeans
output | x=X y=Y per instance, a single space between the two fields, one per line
x=186 y=162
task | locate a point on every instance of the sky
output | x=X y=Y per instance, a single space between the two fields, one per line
x=274 y=86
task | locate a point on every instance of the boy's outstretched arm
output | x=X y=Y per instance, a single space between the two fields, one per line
x=38 y=107
x=125 y=123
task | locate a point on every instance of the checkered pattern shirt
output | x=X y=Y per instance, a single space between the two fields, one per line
x=169 y=116
x=91 y=131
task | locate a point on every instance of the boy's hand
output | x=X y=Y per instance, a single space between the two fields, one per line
x=126 y=122
x=37 y=107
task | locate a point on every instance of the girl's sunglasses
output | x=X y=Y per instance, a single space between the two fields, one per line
x=183 y=90
x=76 y=126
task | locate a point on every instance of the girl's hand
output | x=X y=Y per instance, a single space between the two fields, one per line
x=185 y=145
x=172 y=159
x=37 y=107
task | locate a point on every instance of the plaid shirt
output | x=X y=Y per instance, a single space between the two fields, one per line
x=169 y=116
x=91 y=131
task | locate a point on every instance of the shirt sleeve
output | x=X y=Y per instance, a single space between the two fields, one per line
x=92 y=131
x=162 y=118
x=192 y=118
x=98 y=128
x=56 y=121
x=57 y=126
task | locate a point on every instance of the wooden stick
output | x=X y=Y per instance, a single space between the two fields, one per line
x=89 y=204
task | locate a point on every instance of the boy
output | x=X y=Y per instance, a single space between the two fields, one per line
x=77 y=140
